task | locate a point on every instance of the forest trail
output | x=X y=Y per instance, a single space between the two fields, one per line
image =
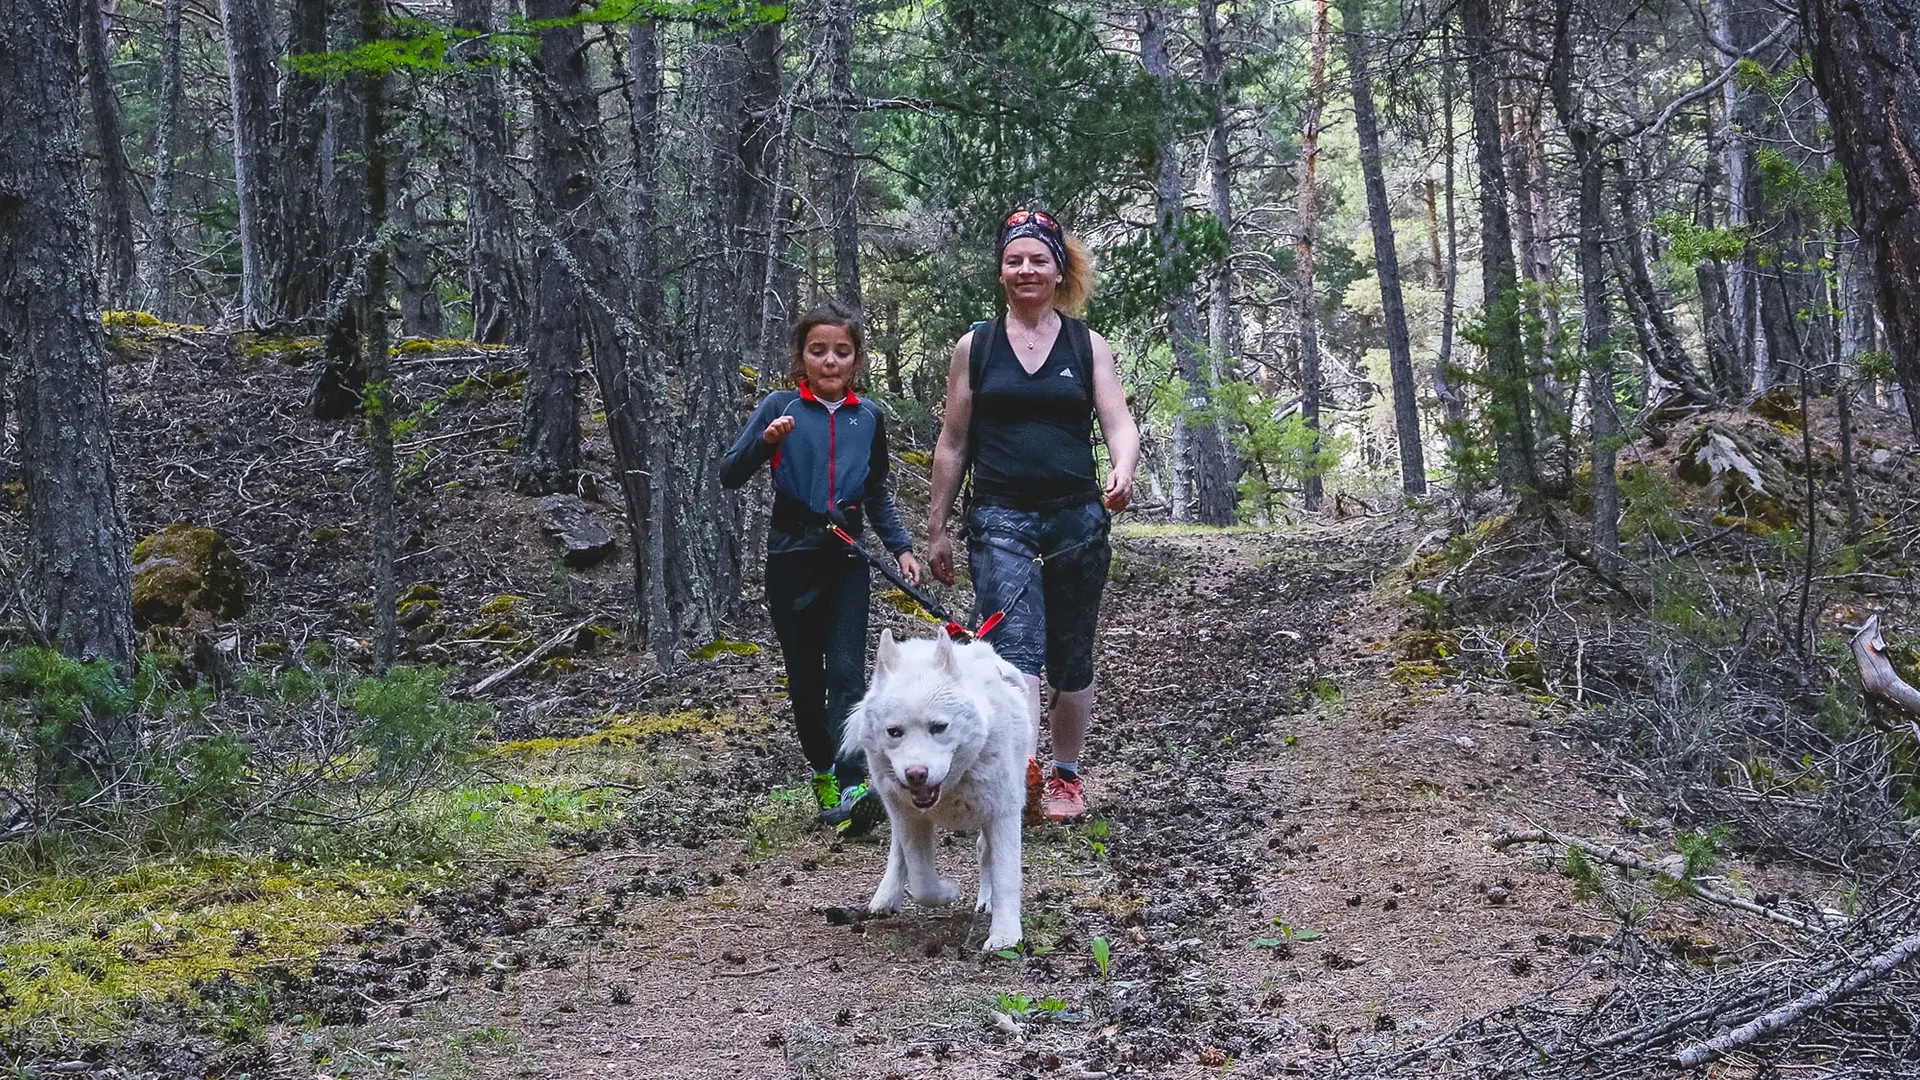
x=1287 y=853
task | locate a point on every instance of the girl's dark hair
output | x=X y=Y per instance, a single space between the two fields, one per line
x=829 y=313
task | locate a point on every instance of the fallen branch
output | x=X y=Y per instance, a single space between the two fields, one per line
x=1877 y=676
x=524 y=662
x=1630 y=861
x=1727 y=1041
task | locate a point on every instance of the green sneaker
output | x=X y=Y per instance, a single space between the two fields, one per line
x=826 y=790
x=859 y=813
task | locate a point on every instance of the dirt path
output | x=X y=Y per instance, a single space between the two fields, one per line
x=1287 y=855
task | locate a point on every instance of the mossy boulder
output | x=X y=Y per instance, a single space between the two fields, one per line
x=1749 y=482
x=184 y=575
x=1780 y=404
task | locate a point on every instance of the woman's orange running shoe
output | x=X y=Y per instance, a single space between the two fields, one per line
x=1064 y=801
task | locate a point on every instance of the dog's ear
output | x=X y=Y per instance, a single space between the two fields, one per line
x=943 y=658
x=888 y=656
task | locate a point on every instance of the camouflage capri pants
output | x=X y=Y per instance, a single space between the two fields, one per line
x=1046 y=570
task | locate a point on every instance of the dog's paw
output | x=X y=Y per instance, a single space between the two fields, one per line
x=984 y=905
x=943 y=891
x=1001 y=940
x=885 y=903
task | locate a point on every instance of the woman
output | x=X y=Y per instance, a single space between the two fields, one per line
x=1022 y=394
x=828 y=450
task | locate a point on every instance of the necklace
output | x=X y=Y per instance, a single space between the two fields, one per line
x=1034 y=338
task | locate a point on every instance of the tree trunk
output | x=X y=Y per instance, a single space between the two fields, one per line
x=1596 y=316
x=1512 y=407
x=547 y=458
x=50 y=327
x=418 y=286
x=1216 y=501
x=1716 y=306
x=382 y=523
x=1868 y=72
x=298 y=227
x=494 y=276
x=116 y=187
x=1446 y=270
x=1659 y=338
x=251 y=83
x=343 y=371
x=1223 y=336
x=1737 y=156
x=1386 y=258
x=1533 y=229
x=843 y=146
x=163 y=261
x=633 y=382
x=1305 y=312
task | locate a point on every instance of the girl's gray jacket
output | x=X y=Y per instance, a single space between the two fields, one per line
x=832 y=459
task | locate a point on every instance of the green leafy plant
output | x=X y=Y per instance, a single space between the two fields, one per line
x=410 y=726
x=1103 y=956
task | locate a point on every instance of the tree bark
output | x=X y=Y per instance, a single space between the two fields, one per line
x=343 y=371
x=1868 y=73
x=1446 y=270
x=547 y=457
x=1659 y=338
x=843 y=146
x=418 y=285
x=297 y=231
x=1215 y=498
x=1596 y=315
x=251 y=83
x=1306 y=312
x=495 y=280
x=116 y=187
x=1386 y=258
x=1738 y=158
x=383 y=526
x=163 y=262
x=50 y=327
x=1511 y=409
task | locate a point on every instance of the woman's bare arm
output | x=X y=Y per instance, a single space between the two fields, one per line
x=1116 y=423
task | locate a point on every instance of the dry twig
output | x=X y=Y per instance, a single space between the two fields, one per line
x=1631 y=861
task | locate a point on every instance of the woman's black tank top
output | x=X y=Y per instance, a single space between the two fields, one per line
x=1033 y=434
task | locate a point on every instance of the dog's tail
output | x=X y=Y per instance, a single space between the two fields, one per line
x=853 y=734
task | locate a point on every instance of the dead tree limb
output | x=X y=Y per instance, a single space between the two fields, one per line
x=1727 y=1041
x=1665 y=869
x=1877 y=676
x=521 y=664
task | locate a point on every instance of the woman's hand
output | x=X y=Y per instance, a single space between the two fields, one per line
x=1119 y=491
x=781 y=427
x=940 y=553
x=910 y=568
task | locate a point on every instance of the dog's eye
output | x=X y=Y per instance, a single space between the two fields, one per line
x=936 y=729
x=894 y=732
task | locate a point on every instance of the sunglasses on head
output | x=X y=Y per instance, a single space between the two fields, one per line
x=1039 y=217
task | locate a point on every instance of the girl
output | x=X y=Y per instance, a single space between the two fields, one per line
x=828 y=451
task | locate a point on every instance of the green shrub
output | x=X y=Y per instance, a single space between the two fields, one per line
x=409 y=726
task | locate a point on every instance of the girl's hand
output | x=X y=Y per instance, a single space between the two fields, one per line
x=940 y=553
x=778 y=430
x=1119 y=491
x=910 y=568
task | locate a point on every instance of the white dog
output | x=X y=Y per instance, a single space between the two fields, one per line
x=947 y=732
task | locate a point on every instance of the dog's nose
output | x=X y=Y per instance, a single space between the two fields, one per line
x=917 y=776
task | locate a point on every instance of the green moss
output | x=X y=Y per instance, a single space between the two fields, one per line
x=493 y=631
x=1781 y=405
x=723 y=647
x=81 y=954
x=503 y=604
x=1420 y=645
x=898 y=600
x=127 y=320
x=183 y=568
x=1413 y=674
x=625 y=729
x=326 y=534
x=422 y=346
x=919 y=459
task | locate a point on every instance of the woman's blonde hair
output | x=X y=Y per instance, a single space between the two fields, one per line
x=1077 y=278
